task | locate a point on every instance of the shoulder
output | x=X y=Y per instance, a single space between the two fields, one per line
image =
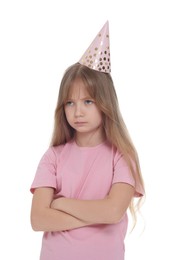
x=118 y=157
x=120 y=161
x=52 y=154
x=59 y=151
x=123 y=172
x=56 y=150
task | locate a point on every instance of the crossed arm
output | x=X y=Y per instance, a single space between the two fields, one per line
x=65 y=214
x=45 y=218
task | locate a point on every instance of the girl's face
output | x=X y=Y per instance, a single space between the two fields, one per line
x=82 y=113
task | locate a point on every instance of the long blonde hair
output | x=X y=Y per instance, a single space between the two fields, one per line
x=101 y=88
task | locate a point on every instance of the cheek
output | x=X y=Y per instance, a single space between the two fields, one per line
x=98 y=116
x=101 y=117
x=68 y=114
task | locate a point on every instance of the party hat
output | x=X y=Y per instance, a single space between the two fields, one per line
x=97 y=56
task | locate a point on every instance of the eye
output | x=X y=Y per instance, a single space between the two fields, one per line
x=69 y=103
x=88 y=102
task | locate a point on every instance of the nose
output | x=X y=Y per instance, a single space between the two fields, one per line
x=78 y=110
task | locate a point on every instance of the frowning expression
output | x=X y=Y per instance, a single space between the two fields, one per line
x=81 y=110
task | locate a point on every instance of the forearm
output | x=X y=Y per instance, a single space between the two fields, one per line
x=90 y=211
x=109 y=210
x=54 y=220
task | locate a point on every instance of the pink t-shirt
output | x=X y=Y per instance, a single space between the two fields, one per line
x=86 y=173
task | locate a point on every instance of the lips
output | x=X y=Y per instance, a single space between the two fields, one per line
x=79 y=123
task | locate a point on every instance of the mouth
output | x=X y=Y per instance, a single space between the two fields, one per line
x=80 y=123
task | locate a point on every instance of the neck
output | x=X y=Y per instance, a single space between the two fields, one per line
x=90 y=139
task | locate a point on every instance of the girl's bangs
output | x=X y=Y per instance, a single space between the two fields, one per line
x=89 y=86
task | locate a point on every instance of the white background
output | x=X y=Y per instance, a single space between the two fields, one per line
x=38 y=41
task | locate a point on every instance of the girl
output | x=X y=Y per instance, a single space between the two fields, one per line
x=88 y=178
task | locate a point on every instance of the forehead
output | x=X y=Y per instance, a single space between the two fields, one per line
x=78 y=89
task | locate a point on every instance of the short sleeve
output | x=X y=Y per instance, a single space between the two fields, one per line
x=46 y=171
x=122 y=173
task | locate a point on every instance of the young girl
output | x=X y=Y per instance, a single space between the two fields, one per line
x=88 y=178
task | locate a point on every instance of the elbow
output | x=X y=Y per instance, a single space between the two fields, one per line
x=40 y=220
x=116 y=216
x=35 y=220
x=35 y=227
x=35 y=224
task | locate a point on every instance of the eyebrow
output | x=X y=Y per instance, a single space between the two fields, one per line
x=84 y=98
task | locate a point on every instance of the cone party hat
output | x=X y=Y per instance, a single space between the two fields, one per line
x=97 y=56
